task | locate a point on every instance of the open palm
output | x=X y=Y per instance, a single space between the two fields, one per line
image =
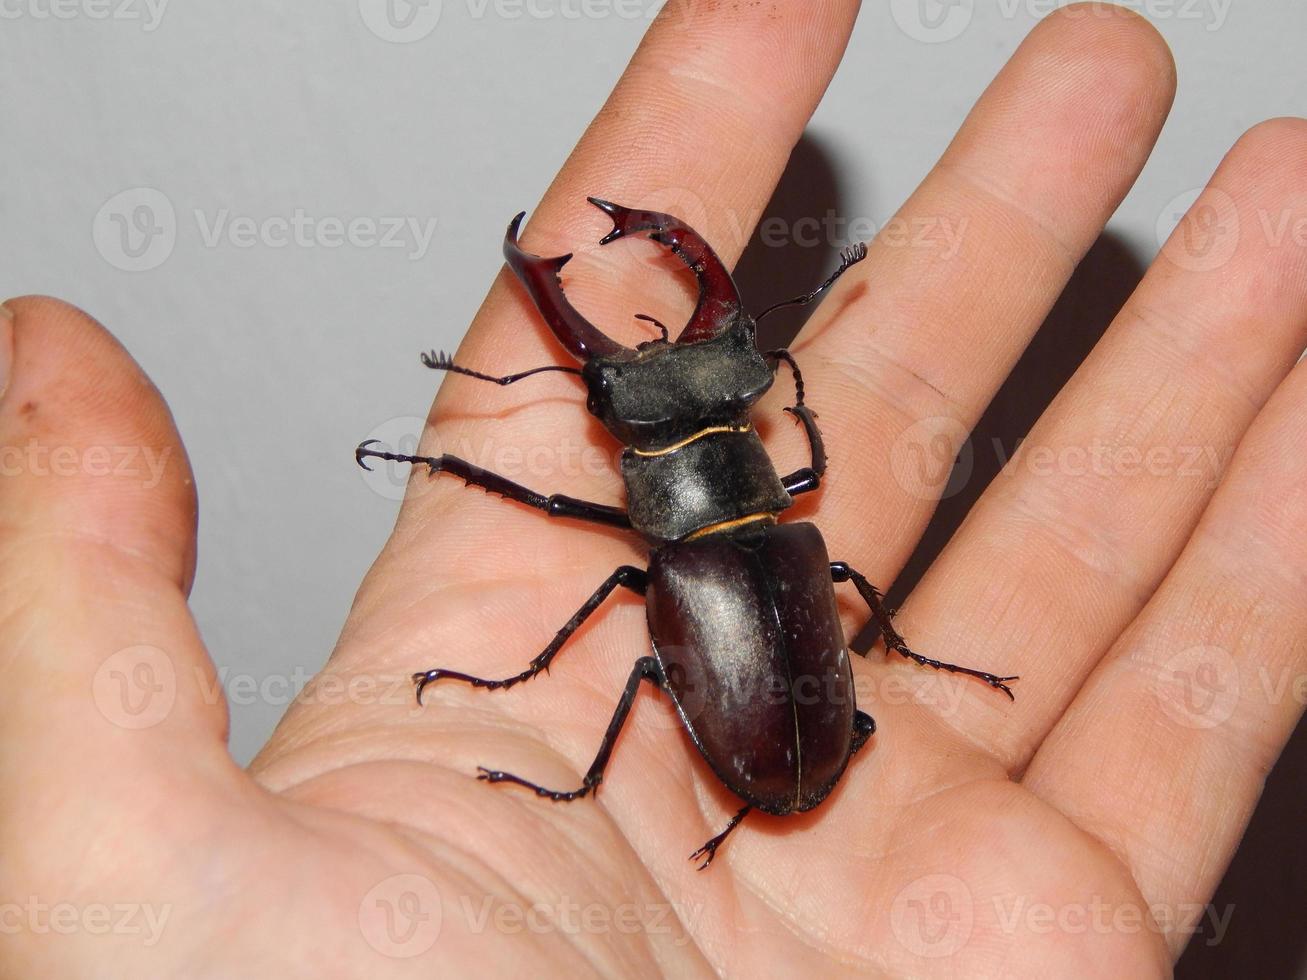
x=1075 y=832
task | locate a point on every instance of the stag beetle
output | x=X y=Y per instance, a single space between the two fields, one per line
x=741 y=608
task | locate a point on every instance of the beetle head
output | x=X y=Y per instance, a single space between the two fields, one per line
x=661 y=391
x=664 y=392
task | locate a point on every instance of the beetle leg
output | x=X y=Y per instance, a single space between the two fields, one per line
x=841 y=572
x=662 y=327
x=808 y=478
x=628 y=576
x=709 y=850
x=555 y=505
x=801 y=481
x=781 y=355
x=646 y=668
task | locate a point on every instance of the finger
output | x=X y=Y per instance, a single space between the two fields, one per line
x=1070 y=541
x=907 y=352
x=106 y=683
x=701 y=125
x=1163 y=754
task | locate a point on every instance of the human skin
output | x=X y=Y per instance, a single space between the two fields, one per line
x=1106 y=588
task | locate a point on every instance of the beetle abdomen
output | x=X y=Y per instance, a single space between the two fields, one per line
x=746 y=631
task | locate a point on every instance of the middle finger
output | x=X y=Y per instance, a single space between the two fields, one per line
x=905 y=356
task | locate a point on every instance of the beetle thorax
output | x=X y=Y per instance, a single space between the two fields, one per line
x=662 y=393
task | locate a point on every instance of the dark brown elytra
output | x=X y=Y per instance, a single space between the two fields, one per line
x=741 y=608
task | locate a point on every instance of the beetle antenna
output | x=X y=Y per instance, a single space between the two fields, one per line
x=440 y=361
x=848 y=259
x=648 y=319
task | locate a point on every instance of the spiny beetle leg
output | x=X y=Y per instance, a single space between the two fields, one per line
x=628 y=575
x=817 y=447
x=709 y=850
x=808 y=478
x=841 y=572
x=557 y=505
x=646 y=668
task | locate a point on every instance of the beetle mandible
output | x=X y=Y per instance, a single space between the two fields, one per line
x=746 y=637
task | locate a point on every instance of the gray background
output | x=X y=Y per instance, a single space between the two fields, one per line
x=278 y=360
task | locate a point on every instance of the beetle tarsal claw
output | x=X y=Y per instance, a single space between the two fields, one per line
x=363 y=452
x=1001 y=684
x=422 y=678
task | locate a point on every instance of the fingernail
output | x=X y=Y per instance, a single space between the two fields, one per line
x=6 y=347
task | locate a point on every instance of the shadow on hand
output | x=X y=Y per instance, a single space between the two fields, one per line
x=796 y=245
x=1266 y=885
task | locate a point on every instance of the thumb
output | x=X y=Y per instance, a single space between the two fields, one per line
x=108 y=694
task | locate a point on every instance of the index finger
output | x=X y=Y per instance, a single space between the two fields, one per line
x=700 y=125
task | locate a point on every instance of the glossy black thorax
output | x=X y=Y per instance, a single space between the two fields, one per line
x=661 y=393
x=692 y=458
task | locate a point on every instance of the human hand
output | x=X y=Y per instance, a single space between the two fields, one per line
x=358 y=844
